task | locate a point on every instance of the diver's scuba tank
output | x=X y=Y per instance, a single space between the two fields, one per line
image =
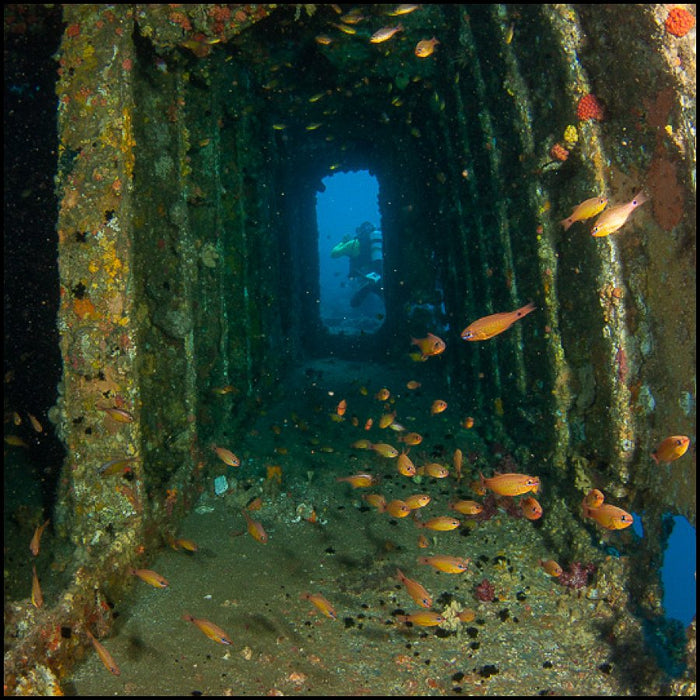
x=375 y=247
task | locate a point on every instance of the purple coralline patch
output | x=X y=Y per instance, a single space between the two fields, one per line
x=485 y=591
x=577 y=575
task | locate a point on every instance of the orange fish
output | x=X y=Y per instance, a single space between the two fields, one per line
x=405 y=466
x=417 y=500
x=584 y=211
x=183 y=543
x=423 y=542
x=415 y=590
x=438 y=406
x=511 y=484
x=376 y=500
x=35 y=424
x=223 y=390
x=118 y=465
x=37 y=597
x=468 y=422
x=457 y=463
x=551 y=567
x=610 y=517
x=425 y=47
x=386 y=420
x=209 y=628
x=424 y=618
x=359 y=481
x=368 y=424
x=382 y=394
x=616 y=217
x=443 y=562
x=255 y=529
x=402 y=10
x=671 y=448
x=36 y=538
x=437 y=471
x=150 y=577
x=226 y=456
x=489 y=326
x=117 y=414
x=413 y=384
x=361 y=444
x=385 y=33
x=411 y=439
x=430 y=345
x=381 y=448
x=467 y=507
x=341 y=408
x=396 y=508
x=105 y=656
x=443 y=523
x=321 y=603
x=593 y=499
x=531 y=509
x=466 y=615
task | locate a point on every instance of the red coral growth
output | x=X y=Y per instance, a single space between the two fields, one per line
x=590 y=108
x=73 y=30
x=485 y=591
x=577 y=575
x=558 y=152
x=679 y=22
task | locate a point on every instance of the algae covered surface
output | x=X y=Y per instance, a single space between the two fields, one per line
x=535 y=636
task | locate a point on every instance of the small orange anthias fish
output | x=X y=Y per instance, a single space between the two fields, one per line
x=442 y=523
x=417 y=500
x=587 y=209
x=445 y=563
x=489 y=326
x=671 y=448
x=36 y=538
x=434 y=469
x=359 y=481
x=341 y=408
x=385 y=450
x=37 y=597
x=423 y=618
x=321 y=603
x=368 y=423
x=184 y=543
x=438 y=406
x=551 y=567
x=396 y=508
x=610 y=517
x=429 y=346
x=226 y=456
x=531 y=508
x=105 y=657
x=383 y=394
x=466 y=507
x=413 y=384
x=616 y=217
x=117 y=414
x=511 y=484
x=415 y=590
x=457 y=463
x=411 y=439
x=593 y=498
x=386 y=420
x=425 y=47
x=385 y=33
x=405 y=466
x=255 y=528
x=209 y=628
x=150 y=577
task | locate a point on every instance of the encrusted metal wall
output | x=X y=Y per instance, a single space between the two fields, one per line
x=187 y=281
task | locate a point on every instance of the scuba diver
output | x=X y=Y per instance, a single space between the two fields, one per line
x=364 y=252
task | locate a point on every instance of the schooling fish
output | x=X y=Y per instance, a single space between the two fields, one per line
x=381 y=448
x=424 y=618
x=587 y=209
x=37 y=597
x=226 y=456
x=150 y=577
x=443 y=523
x=430 y=345
x=531 y=508
x=489 y=326
x=466 y=507
x=385 y=33
x=405 y=466
x=415 y=590
x=36 y=538
x=321 y=603
x=551 y=567
x=255 y=528
x=511 y=484
x=445 y=563
x=425 y=47
x=359 y=481
x=209 y=628
x=616 y=217
x=610 y=517
x=671 y=448
x=105 y=657
x=438 y=406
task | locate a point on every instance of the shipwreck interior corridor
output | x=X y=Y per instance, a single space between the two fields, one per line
x=232 y=349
